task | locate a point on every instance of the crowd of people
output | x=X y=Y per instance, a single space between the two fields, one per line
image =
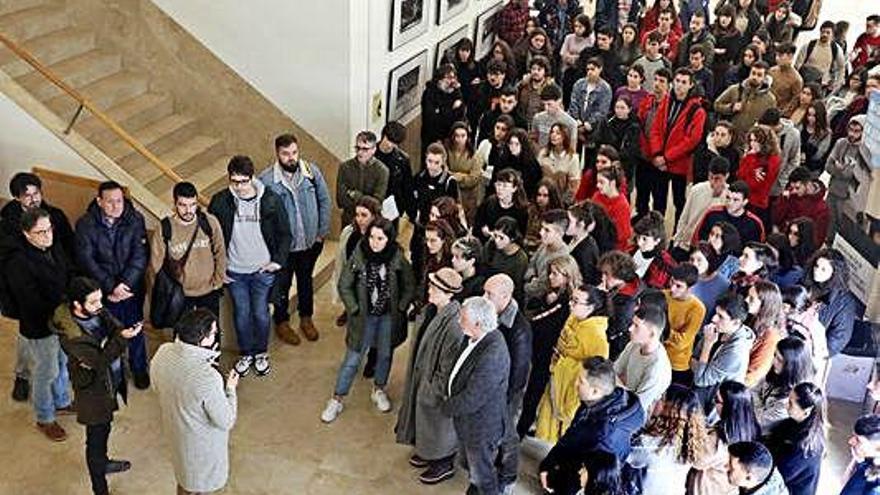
x=543 y=293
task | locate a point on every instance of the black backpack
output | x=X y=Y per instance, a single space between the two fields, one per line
x=168 y=302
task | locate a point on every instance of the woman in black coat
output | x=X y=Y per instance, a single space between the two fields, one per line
x=442 y=105
x=622 y=131
x=826 y=276
x=798 y=442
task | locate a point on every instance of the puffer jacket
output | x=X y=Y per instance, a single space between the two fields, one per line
x=676 y=141
x=113 y=254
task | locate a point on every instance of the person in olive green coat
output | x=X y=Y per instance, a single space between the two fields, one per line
x=376 y=286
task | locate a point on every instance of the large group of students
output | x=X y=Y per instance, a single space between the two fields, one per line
x=537 y=300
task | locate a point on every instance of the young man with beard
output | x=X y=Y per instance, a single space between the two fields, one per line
x=744 y=103
x=203 y=273
x=529 y=90
x=486 y=96
x=95 y=344
x=303 y=192
x=826 y=56
x=26 y=190
x=789 y=148
x=850 y=175
x=442 y=106
x=671 y=38
x=508 y=104
x=867 y=47
x=698 y=36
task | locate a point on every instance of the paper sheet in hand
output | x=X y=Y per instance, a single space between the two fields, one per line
x=389 y=208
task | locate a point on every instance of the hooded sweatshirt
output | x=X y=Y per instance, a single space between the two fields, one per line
x=247 y=251
x=848 y=165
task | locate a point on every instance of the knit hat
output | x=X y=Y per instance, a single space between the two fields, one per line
x=446 y=279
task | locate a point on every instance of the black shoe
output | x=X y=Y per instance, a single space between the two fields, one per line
x=117 y=466
x=438 y=472
x=417 y=462
x=142 y=380
x=20 y=389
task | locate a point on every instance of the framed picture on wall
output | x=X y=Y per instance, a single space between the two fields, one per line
x=405 y=85
x=446 y=9
x=446 y=46
x=485 y=35
x=409 y=20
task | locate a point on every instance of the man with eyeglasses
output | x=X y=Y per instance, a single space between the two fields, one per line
x=363 y=175
x=40 y=279
x=27 y=193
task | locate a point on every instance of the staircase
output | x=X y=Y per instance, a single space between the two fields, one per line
x=43 y=28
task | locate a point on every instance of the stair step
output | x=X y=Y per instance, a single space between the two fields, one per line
x=212 y=178
x=185 y=159
x=130 y=114
x=23 y=25
x=77 y=72
x=10 y=6
x=158 y=137
x=104 y=93
x=49 y=49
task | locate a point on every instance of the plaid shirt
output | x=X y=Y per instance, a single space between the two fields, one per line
x=512 y=22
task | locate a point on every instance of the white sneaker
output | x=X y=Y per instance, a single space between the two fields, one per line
x=243 y=365
x=333 y=409
x=261 y=364
x=380 y=398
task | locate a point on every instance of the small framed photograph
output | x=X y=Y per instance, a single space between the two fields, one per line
x=485 y=35
x=409 y=20
x=447 y=9
x=405 y=85
x=446 y=46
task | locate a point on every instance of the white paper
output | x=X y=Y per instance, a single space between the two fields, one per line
x=389 y=208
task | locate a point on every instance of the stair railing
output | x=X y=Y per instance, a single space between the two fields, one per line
x=85 y=103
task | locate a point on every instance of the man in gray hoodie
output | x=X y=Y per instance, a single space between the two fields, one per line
x=850 y=175
x=789 y=148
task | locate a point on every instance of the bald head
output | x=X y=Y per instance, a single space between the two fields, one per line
x=499 y=290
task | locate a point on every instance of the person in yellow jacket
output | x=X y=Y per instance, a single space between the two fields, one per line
x=686 y=314
x=583 y=336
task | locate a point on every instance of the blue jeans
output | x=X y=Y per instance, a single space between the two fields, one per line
x=377 y=333
x=129 y=312
x=250 y=308
x=21 y=361
x=49 y=380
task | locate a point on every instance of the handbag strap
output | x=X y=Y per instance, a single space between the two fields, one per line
x=175 y=267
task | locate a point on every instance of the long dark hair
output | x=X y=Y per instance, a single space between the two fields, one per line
x=450 y=140
x=519 y=194
x=605 y=232
x=527 y=153
x=603 y=477
x=738 y=422
x=808 y=395
x=839 y=278
x=806 y=239
x=797 y=366
x=731 y=241
x=554 y=199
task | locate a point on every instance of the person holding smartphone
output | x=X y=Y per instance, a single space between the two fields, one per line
x=95 y=343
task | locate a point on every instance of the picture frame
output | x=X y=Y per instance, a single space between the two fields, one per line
x=447 y=9
x=449 y=43
x=486 y=31
x=409 y=20
x=405 y=85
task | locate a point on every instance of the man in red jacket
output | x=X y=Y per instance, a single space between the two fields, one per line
x=675 y=134
x=800 y=199
x=867 y=45
x=648 y=174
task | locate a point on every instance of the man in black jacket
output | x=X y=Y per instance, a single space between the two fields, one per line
x=27 y=192
x=605 y=421
x=400 y=174
x=477 y=393
x=111 y=244
x=257 y=236
x=442 y=105
x=40 y=279
x=95 y=344
x=517 y=333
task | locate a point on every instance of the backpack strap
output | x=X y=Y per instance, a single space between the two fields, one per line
x=166 y=230
x=204 y=224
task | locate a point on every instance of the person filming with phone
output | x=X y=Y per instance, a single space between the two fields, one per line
x=95 y=343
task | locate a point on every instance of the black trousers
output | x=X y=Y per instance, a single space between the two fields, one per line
x=647 y=176
x=300 y=264
x=661 y=192
x=96 y=456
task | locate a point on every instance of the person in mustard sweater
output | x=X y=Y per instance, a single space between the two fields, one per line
x=686 y=313
x=582 y=337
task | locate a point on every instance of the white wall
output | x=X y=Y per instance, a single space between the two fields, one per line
x=294 y=52
x=25 y=143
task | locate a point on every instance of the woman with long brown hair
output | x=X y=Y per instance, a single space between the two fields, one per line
x=759 y=169
x=547 y=198
x=559 y=161
x=466 y=167
x=767 y=321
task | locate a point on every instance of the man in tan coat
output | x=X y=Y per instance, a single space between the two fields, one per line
x=744 y=103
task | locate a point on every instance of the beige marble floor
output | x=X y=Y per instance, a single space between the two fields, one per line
x=278 y=446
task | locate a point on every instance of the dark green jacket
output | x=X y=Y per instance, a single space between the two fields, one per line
x=353 y=292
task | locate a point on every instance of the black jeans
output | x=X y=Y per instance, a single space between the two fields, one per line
x=96 y=456
x=647 y=176
x=661 y=192
x=299 y=264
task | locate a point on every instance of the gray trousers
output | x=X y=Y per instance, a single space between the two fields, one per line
x=21 y=361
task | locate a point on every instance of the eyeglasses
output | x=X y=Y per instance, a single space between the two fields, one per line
x=42 y=232
x=363 y=148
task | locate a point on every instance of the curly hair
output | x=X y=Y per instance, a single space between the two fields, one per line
x=681 y=425
x=767 y=139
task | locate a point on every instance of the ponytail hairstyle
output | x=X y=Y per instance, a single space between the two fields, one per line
x=809 y=397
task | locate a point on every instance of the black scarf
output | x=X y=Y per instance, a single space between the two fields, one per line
x=383 y=256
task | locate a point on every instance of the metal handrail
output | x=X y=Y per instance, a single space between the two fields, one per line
x=88 y=105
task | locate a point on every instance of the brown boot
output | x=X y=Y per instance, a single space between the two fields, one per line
x=342 y=319
x=308 y=328
x=286 y=333
x=53 y=431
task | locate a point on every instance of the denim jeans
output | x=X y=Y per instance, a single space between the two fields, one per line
x=129 y=312
x=49 y=379
x=250 y=308
x=479 y=460
x=377 y=333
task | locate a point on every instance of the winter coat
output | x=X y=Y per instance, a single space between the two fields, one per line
x=755 y=101
x=40 y=281
x=354 y=180
x=813 y=206
x=619 y=211
x=517 y=333
x=606 y=425
x=608 y=14
x=579 y=340
x=490 y=211
x=799 y=469
x=432 y=357
x=309 y=199
x=789 y=154
x=773 y=485
x=590 y=106
x=428 y=188
x=771 y=405
x=353 y=292
x=10 y=223
x=665 y=474
x=438 y=114
x=815 y=149
x=113 y=254
x=273 y=220
x=703 y=39
x=196 y=412
x=761 y=355
x=624 y=136
x=621 y=307
x=837 y=311
x=848 y=166
x=676 y=141
x=759 y=189
x=863 y=481
x=729 y=360
x=90 y=361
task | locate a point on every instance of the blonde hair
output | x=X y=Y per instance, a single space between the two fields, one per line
x=567 y=266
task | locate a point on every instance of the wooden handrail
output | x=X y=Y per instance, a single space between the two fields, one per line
x=100 y=115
